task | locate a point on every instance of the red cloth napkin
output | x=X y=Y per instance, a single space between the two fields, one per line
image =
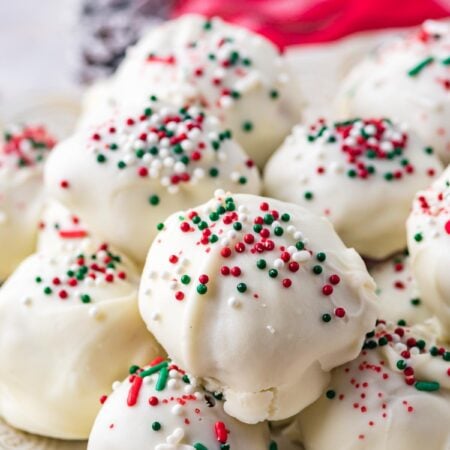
x=293 y=22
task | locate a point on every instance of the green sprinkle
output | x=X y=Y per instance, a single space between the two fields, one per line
x=148 y=112
x=199 y=446
x=154 y=369
x=401 y=364
x=446 y=61
x=153 y=200
x=214 y=216
x=257 y=228
x=278 y=231
x=186 y=379
x=401 y=322
x=321 y=256
x=446 y=356
x=330 y=394
x=274 y=94
x=113 y=146
x=273 y=445
x=213 y=172
x=326 y=318
x=427 y=386
x=419 y=67
x=237 y=226
x=121 y=165
x=299 y=245
x=241 y=287
x=207 y=25
x=268 y=219
x=429 y=150
x=101 y=158
x=202 y=289
x=85 y=298
x=185 y=279
x=261 y=264
x=47 y=290
x=218 y=395
x=247 y=126
x=273 y=273
x=242 y=180
x=382 y=341
x=418 y=237
x=38 y=280
x=160 y=226
x=308 y=195
x=416 y=301
x=421 y=344
x=162 y=379
x=317 y=270
x=156 y=426
x=434 y=351
x=133 y=369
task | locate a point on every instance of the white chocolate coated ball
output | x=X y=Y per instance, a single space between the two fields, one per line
x=22 y=156
x=361 y=174
x=428 y=229
x=407 y=80
x=259 y=297
x=69 y=324
x=240 y=76
x=375 y=403
x=169 y=410
x=130 y=172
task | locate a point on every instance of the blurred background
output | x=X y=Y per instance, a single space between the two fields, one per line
x=52 y=49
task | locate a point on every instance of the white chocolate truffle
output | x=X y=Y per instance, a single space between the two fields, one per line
x=238 y=74
x=428 y=229
x=259 y=297
x=60 y=229
x=407 y=80
x=22 y=156
x=395 y=395
x=361 y=174
x=132 y=171
x=69 y=323
x=398 y=296
x=160 y=407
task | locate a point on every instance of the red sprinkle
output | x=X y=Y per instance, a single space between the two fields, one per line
x=134 y=391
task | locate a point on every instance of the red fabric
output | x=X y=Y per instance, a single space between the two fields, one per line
x=292 y=22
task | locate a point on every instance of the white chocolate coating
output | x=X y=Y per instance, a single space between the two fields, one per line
x=60 y=229
x=407 y=80
x=262 y=311
x=374 y=403
x=398 y=296
x=65 y=337
x=239 y=75
x=21 y=192
x=129 y=173
x=428 y=229
x=339 y=170
x=168 y=410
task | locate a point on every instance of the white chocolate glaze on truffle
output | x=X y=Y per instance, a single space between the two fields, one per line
x=22 y=156
x=69 y=323
x=361 y=174
x=429 y=246
x=259 y=297
x=395 y=395
x=398 y=296
x=237 y=74
x=60 y=229
x=408 y=80
x=160 y=407
x=130 y=172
